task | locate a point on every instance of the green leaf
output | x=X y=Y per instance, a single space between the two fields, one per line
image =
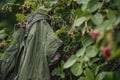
x=59 y=71
x=95 y=7
x=91 y=51
x=110 y=22
x=86 y=59
x=56 y=72
x=70 y=61
x=79 y=13
x=109 y=76
x=62 y=75
x=115 y=54
x=117 y=37
x=97 y=18
x=117 y=4
x=83 y=1
x=117 y=20
x=105 y=76
x=52 y=3
x=61 y=30
x=62 y=64
x=89 y=74
x=20 y=16
x=84 y=6
x=2 y=31
x=106 y=25
x=4 y=2
x=82 y=78
x=76 y=69
x=81 y=52
x=79 y=21
x=112 y=16
x=100 y=76
x=97 y=70
x=2 y=34
x=86 y=40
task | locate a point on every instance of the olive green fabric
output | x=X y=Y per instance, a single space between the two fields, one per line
x=9 y=57
x=31 y=53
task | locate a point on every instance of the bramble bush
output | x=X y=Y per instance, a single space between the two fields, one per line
x=89 y=30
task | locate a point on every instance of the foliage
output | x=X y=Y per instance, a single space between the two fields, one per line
x=88 y=28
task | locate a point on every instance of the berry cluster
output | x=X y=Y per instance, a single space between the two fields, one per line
x=6 y=8
x=26 y=8
x=22 y=25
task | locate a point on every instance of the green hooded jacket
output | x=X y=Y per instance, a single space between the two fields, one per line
x=32 y=51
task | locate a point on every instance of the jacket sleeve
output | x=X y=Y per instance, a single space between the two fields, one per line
x=53 y=44
x=8 y=58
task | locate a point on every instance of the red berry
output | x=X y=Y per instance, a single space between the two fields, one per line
x=24 y=6
x=22 y=25
x=94 y=34
x=106 y=52
x=71 y=23
x=77 y=26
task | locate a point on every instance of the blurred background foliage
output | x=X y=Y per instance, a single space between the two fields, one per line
x=90 y=30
